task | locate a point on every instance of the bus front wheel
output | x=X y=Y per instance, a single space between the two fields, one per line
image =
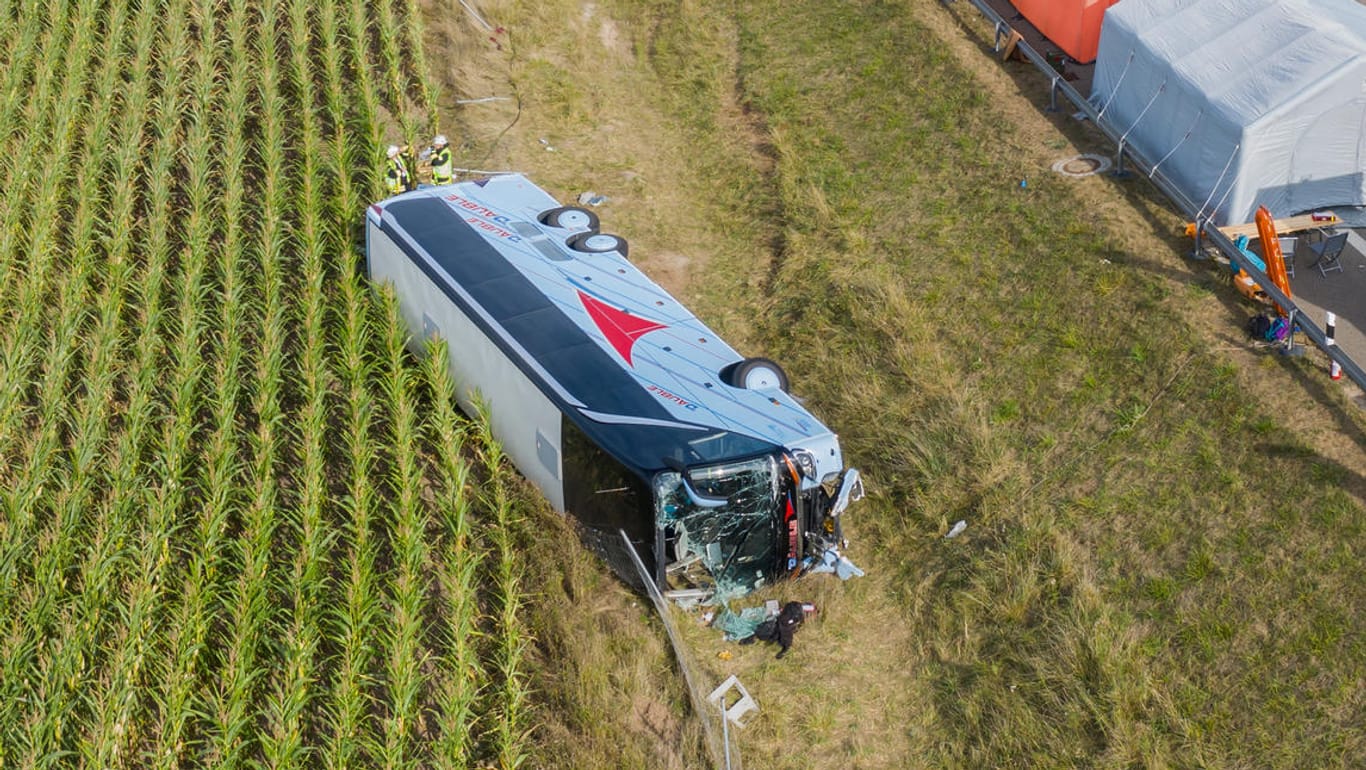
x=756 y=374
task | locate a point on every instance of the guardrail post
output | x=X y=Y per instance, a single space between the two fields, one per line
x=1199 y=251
x=1120 y=172
x=1329 y=329
x=1053 y=94
x=1290 y=348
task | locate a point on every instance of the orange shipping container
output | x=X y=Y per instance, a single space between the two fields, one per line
x=1072 y=25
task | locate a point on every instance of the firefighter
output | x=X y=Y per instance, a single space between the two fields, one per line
x=409 y=159
x=441 y=161
x=395 y=171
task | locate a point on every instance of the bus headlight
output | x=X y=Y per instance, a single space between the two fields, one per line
x=806 y=462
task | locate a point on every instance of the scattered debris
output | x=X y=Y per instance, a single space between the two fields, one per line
x=736 y=626
x=834 y=561
x=735 y=710
x=591 y=198
x=957 y=529
x=484 y=100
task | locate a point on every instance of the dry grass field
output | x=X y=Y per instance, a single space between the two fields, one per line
x=1163 y=524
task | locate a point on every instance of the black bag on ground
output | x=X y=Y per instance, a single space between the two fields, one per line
x=779 y=629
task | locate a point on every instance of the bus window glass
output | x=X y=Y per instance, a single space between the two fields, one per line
x=737 y=541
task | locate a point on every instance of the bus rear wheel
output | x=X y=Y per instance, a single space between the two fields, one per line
x=570 y=218
x=598 y=243
x=756 y=374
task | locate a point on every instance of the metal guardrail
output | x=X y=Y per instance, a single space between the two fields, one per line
x=1299 y=320
x=725 y=752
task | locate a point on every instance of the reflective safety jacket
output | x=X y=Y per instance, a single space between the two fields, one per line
x=395 y=176
x=441 y=166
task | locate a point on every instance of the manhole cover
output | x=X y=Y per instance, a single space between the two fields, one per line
x=1082 y=165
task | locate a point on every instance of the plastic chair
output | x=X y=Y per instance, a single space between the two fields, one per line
x=1288 y=245
x=1329 y=253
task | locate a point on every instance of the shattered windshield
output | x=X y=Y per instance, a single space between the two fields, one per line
x=727 y=519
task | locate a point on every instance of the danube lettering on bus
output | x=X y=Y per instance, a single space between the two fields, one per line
x=495 y=229
x=667 y=396
x=478 y=209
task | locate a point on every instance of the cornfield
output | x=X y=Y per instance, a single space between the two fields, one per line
x=241 y=526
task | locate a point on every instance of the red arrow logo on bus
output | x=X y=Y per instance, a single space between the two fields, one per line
x=619 y=327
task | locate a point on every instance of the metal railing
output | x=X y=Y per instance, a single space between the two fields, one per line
x=725 y=753
x=1299 y=320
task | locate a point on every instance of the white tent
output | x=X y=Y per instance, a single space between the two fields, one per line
x=1241 y=103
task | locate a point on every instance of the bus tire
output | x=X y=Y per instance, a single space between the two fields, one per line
x=598 y=243
x=570 y=218
x=755 y=374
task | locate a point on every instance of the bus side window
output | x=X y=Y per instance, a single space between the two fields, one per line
x=599 y=491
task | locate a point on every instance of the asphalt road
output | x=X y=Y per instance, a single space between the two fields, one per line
x=1343 y=292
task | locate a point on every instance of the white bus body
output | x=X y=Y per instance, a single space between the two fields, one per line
x=613 y=399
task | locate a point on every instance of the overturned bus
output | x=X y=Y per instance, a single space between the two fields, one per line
x=613 y=399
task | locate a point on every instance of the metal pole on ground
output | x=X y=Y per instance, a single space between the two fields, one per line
x=1329 y=329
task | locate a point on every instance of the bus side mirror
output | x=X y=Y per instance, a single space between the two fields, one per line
x=696 y=498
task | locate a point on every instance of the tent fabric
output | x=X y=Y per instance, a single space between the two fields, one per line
x=1072 y=25
x=1241 y=103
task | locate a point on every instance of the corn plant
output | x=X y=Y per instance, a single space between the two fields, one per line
x=250 y=602
x=290 y=701
x=87 y=556
x=392 y=57
x=420 y=76
x=28 y=354
x=356 y=617
x=21 y=46
x=458 y=571
x=228 y=520
x=135 y=664
x=407 y=589
x=507 y=707
x=42 y=687
x=367 y=93
x=170 y=696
